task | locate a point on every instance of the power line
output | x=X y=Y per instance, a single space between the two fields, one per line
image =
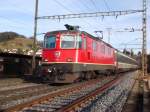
x=85 y=5
x=133 y=40
x=59 y=3
x=129 y=42
x=107 y=6
x=69 y=10
x=130 y=48
x=129 y=30
x=94 y=14
x=92 y=1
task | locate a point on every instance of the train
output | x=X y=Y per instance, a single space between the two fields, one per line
x=72 y=55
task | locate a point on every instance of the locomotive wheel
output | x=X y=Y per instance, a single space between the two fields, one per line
x=88 y=75
x=68 y=78
x=94 y=75
x=108 y=73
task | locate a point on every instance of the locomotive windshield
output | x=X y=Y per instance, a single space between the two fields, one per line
x=50 y=42
x=70 y=41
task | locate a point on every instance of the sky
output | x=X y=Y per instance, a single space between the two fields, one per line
x=18 y=16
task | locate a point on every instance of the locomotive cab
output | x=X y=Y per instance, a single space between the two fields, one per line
x=57 y=47
x=60 y=55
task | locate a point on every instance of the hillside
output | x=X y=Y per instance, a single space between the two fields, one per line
x=12 y=40
x=5 y=36
x=17 y=43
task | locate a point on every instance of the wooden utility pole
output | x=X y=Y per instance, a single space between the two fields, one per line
x=35 y=33
x=144 y=50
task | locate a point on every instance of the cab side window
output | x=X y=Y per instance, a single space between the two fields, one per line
x=109 y=51
x=94 y=46
x=103 y=49
x=84 y=43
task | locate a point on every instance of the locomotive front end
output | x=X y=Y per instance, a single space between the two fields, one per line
x=60 y=55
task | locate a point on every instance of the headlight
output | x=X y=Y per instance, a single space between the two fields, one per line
x=49 y=70
x=45 y=60
x=69 y=59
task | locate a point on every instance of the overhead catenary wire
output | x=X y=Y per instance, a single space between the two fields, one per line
x=59 y=3
x=85 y=5
x=92 y=1
x=106 y=4
x=131 y=41
x=129 y=48
x=83 y=15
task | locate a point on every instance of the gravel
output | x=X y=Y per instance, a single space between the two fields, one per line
x=114 y=98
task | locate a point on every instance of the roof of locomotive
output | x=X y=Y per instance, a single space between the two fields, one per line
x=81 y=32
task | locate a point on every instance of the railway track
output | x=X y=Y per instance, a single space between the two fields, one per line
x=12 y=97
x=55 y=101
x=26 y=92
x=103 y=94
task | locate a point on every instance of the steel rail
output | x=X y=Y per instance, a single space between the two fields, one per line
x=81 y=101
x=50 y=96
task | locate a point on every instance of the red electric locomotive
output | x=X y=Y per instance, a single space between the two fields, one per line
x=72 y=55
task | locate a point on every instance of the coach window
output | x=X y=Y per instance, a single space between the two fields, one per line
x=50 y=42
